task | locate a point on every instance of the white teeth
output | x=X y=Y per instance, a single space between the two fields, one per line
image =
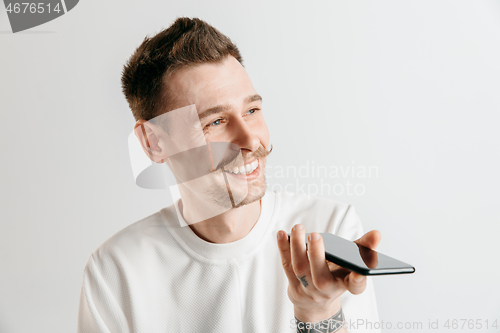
x=246 y=169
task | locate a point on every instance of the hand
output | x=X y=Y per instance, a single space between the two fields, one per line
x=315 y=284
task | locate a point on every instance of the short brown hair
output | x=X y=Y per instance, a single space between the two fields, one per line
x=186 y=42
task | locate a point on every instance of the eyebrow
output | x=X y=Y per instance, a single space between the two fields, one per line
x=225 y=107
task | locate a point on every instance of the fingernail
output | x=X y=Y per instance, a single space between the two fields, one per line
x=358 y=278
x=298 y=227
x=314 y=236
x=280 y=235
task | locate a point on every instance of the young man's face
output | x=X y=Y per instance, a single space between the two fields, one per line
x=230 y=111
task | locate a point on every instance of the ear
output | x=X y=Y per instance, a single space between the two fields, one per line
x=149 y=138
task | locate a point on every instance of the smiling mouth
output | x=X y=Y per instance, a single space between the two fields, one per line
x=244 y=169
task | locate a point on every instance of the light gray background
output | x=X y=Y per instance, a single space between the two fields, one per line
x=411 y=87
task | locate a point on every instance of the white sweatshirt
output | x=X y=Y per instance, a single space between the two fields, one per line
x=156 y=276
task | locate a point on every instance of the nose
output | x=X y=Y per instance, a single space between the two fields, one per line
x=244 y=136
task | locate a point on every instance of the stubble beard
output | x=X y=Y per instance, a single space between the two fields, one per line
x=229 y=194
x=255 y=191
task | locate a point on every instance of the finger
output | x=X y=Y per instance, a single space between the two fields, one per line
x=300 y=262
x=320 y=273
x=355 y=283
x=286 y=260
x=370 y=240
x=369 y=256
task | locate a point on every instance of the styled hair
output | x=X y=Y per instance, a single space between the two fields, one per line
x=185 y=43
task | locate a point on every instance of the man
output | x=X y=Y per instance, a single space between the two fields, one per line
x=209 y=262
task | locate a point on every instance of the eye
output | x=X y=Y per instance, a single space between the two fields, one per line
x=252 y=111
x=214 y=123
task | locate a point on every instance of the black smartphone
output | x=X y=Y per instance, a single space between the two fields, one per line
x=361 y=259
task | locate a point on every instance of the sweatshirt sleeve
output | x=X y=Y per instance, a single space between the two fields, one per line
x=98 y=312
x=360 y=311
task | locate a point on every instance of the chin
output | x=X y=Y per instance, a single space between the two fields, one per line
x=255 y=192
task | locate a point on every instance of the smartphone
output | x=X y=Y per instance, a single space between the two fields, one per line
x=360 y=259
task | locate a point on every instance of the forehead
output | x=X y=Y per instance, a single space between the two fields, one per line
x=208 y=85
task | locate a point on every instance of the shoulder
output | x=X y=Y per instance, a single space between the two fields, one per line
x=310 y=202
x=145 y=235
x=319 y=214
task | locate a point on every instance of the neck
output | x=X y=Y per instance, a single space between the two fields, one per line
x=227 y=227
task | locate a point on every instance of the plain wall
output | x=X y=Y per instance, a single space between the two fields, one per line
x=408 y=88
